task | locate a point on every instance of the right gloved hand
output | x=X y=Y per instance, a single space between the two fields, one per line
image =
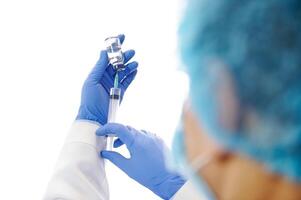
x=96 y=89
x=147 y=164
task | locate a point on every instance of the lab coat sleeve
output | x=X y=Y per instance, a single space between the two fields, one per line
x=188 y=191
x=79 y=173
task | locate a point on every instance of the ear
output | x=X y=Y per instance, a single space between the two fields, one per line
x=226 y=99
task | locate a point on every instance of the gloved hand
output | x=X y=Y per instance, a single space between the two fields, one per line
x=147 y=164
x=96 y=89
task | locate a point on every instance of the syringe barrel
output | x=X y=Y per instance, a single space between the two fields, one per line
x=115 y=97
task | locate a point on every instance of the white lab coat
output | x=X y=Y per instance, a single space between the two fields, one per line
x=80 y=173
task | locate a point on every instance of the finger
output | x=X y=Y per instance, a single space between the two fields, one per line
x=128 y=55
x=121 y=131
x=121 y=38
x=118 y=143
x=116 y=158
x=130 y=68
x=128 y=79
x=100 y=67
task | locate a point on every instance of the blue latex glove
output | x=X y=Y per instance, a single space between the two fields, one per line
x=96 y=89
x=147 y=164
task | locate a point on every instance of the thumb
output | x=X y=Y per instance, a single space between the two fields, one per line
x=116 y=158
x=100 y=67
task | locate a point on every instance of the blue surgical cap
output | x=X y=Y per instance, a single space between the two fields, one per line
x=259 y=44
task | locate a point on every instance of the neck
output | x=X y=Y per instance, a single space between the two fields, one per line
x=242 y=178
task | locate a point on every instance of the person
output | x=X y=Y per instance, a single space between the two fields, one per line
x=239 y=136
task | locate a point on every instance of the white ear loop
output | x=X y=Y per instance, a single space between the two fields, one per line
x=200 y=162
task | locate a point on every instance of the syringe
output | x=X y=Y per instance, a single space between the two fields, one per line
x=116 y=59
x=115 y=97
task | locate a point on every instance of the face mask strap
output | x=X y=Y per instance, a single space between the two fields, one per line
x=200 y=162
x=197 y=164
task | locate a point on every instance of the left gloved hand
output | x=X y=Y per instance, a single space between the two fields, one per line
x=147 y=164
x=96 y=89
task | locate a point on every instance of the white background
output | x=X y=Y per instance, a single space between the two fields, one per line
x=47 y=49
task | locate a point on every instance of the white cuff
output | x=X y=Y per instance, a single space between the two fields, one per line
x=80 y=172
x=188 y=191
x=83 y=131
